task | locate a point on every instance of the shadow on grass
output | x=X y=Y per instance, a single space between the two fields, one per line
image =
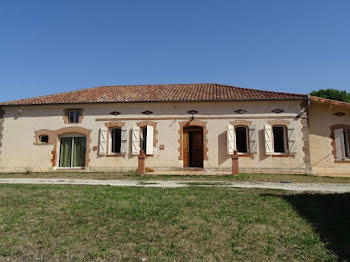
x=329 y=214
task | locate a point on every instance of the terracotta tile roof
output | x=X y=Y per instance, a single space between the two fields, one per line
x=329 y=102
x=156 y=93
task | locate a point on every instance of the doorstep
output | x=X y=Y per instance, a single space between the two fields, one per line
x=190 y=173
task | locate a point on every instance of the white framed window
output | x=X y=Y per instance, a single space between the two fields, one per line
x=146 y=141
x=115 y=140
x=143 y=141
x=280 y=144
x=242 y=141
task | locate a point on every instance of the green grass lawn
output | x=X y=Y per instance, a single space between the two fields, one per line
x=74 y=223
x=130 y=175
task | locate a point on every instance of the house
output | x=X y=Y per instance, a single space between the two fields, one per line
x=178 y=126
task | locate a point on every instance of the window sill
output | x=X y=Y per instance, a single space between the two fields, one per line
x=41 y=144
x=244 y=155
x=113 y=155
x=69 y=168
x=282 y=155
x=342 y=161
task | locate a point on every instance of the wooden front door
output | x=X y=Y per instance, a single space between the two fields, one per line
x=186 y=148
x=196 y=149
x=193 y=147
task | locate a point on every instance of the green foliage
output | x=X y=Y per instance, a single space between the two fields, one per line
x=339 y=95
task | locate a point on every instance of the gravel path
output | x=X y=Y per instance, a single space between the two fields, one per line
x=299 y=187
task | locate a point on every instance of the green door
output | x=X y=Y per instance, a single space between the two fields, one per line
x=72 y=152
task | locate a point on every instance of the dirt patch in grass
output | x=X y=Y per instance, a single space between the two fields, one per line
x=134 y=224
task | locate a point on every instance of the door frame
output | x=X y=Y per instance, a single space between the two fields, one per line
x=188 y=123
x=59 y=150
x=187 y=145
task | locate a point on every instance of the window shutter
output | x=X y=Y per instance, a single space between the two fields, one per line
x=253 y=140
x=149 y=141
x=123 y=140
x=339 y=144
x=135 y=140
x=103 y=142
x=268 y=139
x=231 y=139
x=292 y=140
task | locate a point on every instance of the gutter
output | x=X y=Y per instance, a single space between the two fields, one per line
x=306 y=98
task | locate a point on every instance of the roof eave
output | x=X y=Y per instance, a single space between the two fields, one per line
x=320 y=100
x=161 y=101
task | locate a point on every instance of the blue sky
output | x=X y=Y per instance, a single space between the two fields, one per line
x=282 y=45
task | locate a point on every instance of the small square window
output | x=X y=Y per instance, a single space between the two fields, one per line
x=73 y=116
x=44 y=139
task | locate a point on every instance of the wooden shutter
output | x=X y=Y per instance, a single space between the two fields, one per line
x=339 y=144
x=231 y=139
x=103 y=142
x=268 y=139
x=123 y=140
x=292 y=145
x=253 y=140
x=135 y=140
x=149 y=141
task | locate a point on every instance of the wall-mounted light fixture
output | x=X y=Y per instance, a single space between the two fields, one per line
x=192 y=112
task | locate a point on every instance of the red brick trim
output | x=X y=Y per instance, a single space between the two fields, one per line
x=241 y=123
x=334 y=153
x=66 y=115
x=279 y=122
x=205 y=139
x=67 y=130
x=39 y=133
x=115 y=124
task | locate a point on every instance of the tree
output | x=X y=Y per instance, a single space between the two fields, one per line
x=339 y=95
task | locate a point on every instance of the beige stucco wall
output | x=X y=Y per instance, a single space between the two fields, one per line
x=18 y=153
x=321 y=117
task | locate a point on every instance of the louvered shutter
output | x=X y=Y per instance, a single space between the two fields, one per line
x=231 y=139
x=103 y=142
x=268 y=139
x=253 y=138
x=292 y=140
x=135 y=140
x=149 y=141
x=123 y=141
x=339 y=144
